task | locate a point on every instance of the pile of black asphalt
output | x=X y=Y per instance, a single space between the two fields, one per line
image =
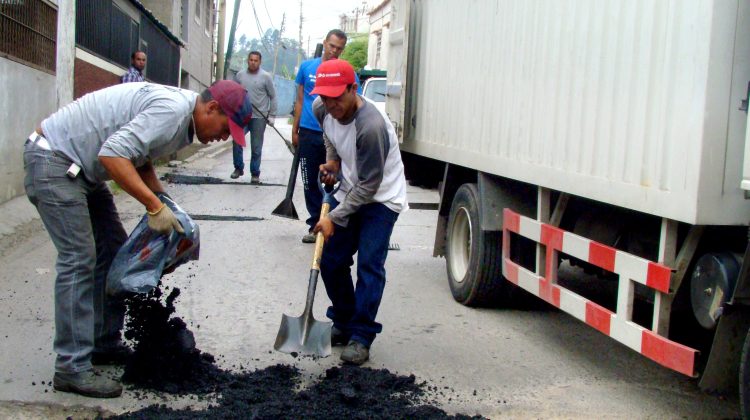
x=166 y=360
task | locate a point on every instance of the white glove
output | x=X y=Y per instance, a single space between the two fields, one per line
x=163 y=221
x=271 y=120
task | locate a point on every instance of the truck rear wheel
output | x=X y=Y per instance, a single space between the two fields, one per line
x=474 y=257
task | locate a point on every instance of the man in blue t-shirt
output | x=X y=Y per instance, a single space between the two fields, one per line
x=306 y=132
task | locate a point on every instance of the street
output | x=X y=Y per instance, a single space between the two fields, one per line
x=537 y=363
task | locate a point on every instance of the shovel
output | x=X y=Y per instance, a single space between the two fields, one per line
x=286 y=207
x=288 y=143
x=305 y=334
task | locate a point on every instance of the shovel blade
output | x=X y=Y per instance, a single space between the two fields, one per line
x=297 y=334
x=286 y=209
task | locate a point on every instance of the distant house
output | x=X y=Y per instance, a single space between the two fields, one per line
x=194 y=22
x=107 y=32
x=377 y=47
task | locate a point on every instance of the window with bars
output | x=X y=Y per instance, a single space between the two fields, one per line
x=28 y=33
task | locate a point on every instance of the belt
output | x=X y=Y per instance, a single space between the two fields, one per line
x=39 y=141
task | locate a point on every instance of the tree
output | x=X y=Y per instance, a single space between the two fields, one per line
x=356 y=53
x=287 y=57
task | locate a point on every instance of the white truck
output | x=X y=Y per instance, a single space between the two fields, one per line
x=605 y=135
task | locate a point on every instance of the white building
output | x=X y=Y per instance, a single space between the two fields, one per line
x=377 y=47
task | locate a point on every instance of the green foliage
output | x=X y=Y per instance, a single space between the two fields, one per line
x=356 y=53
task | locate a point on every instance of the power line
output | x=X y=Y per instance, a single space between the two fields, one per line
x=269 y=16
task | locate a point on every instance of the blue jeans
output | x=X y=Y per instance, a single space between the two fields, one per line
x=82 y=222
x=312 y=154
x=353 y=310
x=257 y=129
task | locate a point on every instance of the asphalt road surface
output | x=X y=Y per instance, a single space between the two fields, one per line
x=537 y=363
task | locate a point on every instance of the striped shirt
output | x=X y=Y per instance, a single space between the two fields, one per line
x=133 y=75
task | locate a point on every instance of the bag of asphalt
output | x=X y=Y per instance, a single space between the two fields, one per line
x=147 y=255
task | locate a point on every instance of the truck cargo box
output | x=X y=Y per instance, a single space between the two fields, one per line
x=631 y=103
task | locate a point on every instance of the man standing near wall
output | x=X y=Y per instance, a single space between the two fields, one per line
x=306 y=132
x=259 y=84
x=137 y=65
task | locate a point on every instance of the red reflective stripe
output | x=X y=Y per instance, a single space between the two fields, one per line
x=668 y=353
x=658 y=277
x=552 y=237
x=602 y=256
x=598 y=317
x=511 y=271
x=549 y=292
x=511 y=220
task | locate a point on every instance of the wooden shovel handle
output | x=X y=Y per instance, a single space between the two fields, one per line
x=319 y=240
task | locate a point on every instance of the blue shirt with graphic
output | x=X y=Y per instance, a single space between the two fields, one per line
x=306 y=78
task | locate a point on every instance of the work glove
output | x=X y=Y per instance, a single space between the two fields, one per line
x=271 y=120
x=163 y=221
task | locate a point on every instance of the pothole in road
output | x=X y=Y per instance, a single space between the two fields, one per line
x=212 y=217
x=210 y=180
x=167 y=360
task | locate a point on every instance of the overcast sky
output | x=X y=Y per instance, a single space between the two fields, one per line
x=319 y=16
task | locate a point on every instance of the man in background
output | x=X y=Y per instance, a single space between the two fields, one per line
x=259 y=84
x=135 y=72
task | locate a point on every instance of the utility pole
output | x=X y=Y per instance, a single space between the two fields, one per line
x=299 y=50
x=230 y=47
x=220 y=41
x=278 y=44
x=66 y=51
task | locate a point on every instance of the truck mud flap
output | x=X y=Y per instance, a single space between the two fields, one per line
x=617 y=325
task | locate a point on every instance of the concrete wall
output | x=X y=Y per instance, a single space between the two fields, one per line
x=28 y=97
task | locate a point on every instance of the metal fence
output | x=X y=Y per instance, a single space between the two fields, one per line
x=28 y=32
x=107 y=31
x=163 y=55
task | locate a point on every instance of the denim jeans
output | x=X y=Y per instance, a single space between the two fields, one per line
x=353 y=310
x=83 y=224
x=312 y=154
x=257 y=129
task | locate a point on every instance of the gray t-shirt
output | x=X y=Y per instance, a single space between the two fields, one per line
x=371 y=166
x=262 y=93
x=136 y=121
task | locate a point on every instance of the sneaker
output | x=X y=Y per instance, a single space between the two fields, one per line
x=255 y=179
x=89 y=383
x=338 y=337
x=237 y=173
x=309 y=238
x=355 y=353
x=116 y=355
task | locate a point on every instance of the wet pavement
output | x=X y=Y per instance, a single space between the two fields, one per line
x=253 y=268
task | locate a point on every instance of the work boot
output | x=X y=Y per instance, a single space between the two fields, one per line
x=89 y=383
x=114 y=355
x=237 y=173
x=255 y=179
x=338 y=337
x=355 y=353
x=309 y=238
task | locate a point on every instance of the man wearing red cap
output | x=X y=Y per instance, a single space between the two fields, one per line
x=362 y=152
x=113 y=133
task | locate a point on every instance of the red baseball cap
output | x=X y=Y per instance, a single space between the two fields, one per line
x=235 y=102
x=332 y=78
